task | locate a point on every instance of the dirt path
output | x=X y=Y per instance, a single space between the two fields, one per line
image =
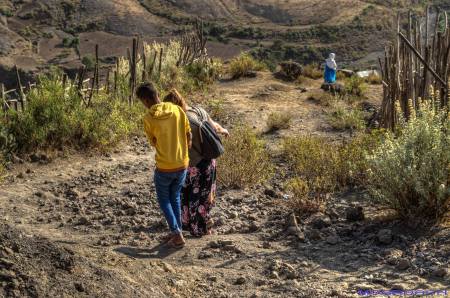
x=102 y=212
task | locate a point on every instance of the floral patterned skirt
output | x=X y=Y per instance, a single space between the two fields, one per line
x=197 y=195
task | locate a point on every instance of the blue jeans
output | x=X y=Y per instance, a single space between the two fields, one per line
x=168 y=189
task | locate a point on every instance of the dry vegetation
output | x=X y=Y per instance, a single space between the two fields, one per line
x=279 y=121
x=244 y=65
x=312 y=71
x=246 y=162
x=343 y=117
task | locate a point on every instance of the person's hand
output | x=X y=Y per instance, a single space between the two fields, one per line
x=211 y=199
x=225 y=132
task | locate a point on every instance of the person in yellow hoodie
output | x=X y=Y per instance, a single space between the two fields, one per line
x=168 y=131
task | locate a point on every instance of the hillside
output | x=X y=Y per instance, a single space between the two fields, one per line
x=35 y=34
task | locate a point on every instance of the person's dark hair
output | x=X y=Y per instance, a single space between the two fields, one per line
x=147 y=91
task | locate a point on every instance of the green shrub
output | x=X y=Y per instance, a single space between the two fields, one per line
x=243 y=65
x=326 y=166
x=7 y=141
x=204 y=72
x=246 y=162
x=6 y=11
x=355 y=85
x=410 y=172
x=352 y=165
x=47 y=35
x=278 y=121
x=55 y=118
x=313 y=71
x=343 y=118
x=88 y=61
x=71 y=42
x=314 y=161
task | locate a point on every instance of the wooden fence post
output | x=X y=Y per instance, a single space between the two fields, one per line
x=152 y=67
x=160 y=61
x=97 y=70
x=5 y=105
x=20 y=87
x=115 y=82
x=133 y=70
x=81 y=74
x=144 y=66
x=107 y=81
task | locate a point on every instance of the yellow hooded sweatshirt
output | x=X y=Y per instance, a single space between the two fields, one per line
x=166 y=126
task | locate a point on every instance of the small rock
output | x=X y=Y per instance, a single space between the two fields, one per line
x=353 y=214
x=167 y=267
x=291 y=221
x=6 y=263
x=205 y=255
x=233 y=214
x=332 y=214
x=392 y=261
x=240 y=281
x=79 y=287
x=274 y=275
x=6 y=275
x=398 y=287
x=314 y=234
x=333 y=240
x=403 y=264
x=267 y=245
x=40 y=194
x=439 y=271
x=35 y=157
x=8 y=251
x=270 y=193
x=213 y=278
x=254 y=227
x=82 y=221
x=226 y=242
x=385 y=236
x=321 y=221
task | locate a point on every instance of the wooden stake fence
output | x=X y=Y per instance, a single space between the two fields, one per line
x=193 y=47
x=415 y=64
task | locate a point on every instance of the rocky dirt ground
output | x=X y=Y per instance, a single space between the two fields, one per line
x=88 y=225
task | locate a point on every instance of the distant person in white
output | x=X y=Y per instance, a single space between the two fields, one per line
x=330 y=69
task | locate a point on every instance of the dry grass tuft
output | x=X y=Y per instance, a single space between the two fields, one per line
x=279 y=121
x=244 y=65
x=313 y=71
